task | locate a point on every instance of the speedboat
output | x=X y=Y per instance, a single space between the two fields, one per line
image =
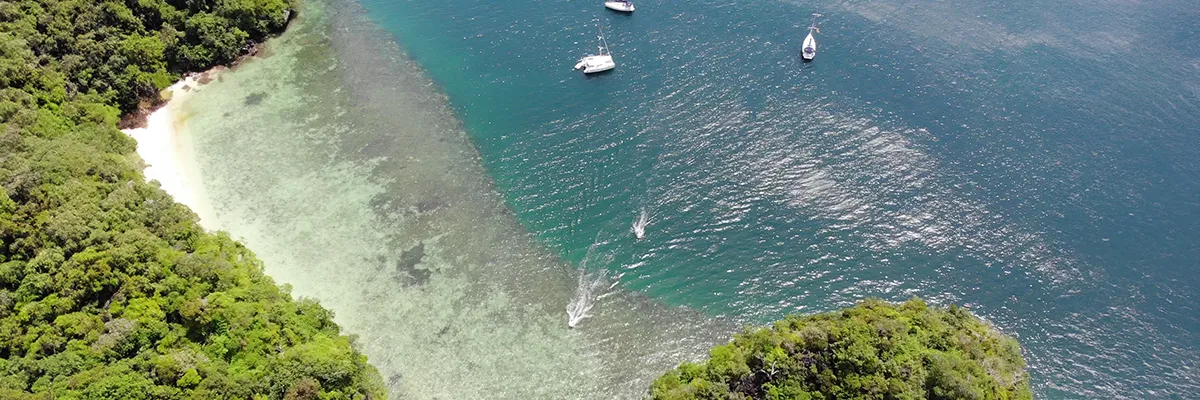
x=619 y=5
x=603 y=61
x=639 y=226
x=810 y=43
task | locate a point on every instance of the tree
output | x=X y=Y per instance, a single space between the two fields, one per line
x=108 y=288
x=874 y=350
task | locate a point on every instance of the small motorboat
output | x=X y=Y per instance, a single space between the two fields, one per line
x=810 y=43
x=619 y=5
x=601 y=62
x=639 y=226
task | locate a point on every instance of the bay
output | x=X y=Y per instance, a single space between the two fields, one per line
x=438 y=175
x=1036 y=162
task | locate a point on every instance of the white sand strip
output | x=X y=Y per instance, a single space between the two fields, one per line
x=167 y=152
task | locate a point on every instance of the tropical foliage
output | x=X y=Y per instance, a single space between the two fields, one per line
x=874 y=350
x=124 y=50
x=108 y=288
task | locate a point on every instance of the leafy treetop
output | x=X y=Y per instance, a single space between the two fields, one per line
x=108 y=288
x=874 y=350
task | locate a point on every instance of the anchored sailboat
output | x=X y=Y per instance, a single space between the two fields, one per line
x=601 y=62
x=810 y=43
x=619 y=5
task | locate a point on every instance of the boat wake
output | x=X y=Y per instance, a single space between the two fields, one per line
x=592 y=287
x=639 y=226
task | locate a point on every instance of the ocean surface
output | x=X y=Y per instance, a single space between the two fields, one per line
x=437 y=174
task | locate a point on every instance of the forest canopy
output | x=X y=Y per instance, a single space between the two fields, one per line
x=875 y=350
x=124 y=51
x=109 y=289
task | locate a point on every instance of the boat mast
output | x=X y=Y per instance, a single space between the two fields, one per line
x=603 y=43
x=813 y=26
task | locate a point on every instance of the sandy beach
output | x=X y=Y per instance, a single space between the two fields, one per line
x=165 y=148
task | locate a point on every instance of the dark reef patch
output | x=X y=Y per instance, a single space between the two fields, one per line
x=407 y=265
x=255 y=98
x=430 y=205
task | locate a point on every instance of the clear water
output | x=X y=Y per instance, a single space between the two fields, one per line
x=1037 y=162
x=341 y=166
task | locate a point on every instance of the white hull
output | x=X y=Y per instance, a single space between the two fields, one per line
x=810 y=47
x=594 y=64
x=621 y=6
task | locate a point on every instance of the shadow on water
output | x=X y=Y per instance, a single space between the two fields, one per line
x=598 y=75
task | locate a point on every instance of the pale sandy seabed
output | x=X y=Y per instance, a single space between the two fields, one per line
x=337 y=161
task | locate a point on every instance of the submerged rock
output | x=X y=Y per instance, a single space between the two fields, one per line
x=395 y=379
x=430 y=205
x=407 y=265
x=255 y=98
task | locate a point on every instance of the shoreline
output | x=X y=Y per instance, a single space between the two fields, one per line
x=165 y=148
x=354 y=183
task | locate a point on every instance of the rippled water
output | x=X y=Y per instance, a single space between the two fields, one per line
x=1037 y=162
x=338 y=162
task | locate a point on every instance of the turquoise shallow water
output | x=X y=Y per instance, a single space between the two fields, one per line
x=334 y=158
x=1036 y=162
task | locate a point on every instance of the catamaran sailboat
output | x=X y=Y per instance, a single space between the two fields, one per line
x=810 y=43
x=619 y=5
x=597 y=62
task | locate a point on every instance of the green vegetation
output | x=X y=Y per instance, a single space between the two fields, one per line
x=874 y=350
x=108 y=288
x=124 y=51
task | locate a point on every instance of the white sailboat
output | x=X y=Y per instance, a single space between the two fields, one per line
x=601 y=62
x=619 y=5
x=810 y=43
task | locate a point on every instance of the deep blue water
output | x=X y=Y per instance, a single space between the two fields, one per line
x=1036 y=162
